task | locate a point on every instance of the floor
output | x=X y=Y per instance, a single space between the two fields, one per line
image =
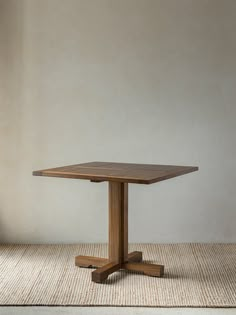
x=195 y=277
x=41 y=310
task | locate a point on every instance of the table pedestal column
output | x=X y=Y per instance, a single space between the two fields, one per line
x=118 y=222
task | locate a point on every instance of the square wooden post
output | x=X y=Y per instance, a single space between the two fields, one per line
x=118 y=222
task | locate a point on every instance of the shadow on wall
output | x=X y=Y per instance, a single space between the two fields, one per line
x=11 y=109
x=3 y=230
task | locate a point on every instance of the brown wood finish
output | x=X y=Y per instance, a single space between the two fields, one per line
x=102 y=273
x=118 y=175
x=90 y=261
x=135 y=256
x=95 y=262
x=118 y=222
x=119 y=172
x=147 y=269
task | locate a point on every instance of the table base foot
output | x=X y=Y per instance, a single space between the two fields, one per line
x=95 y=262
x=106 y=267
x=147 y=269
x=89 y=261
x=135 y=256
x=101 y=274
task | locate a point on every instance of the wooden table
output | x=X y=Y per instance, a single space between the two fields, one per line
x=118 y=176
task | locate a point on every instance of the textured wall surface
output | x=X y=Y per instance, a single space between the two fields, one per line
x=134 y=81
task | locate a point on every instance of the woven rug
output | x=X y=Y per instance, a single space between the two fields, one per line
x=196 y=275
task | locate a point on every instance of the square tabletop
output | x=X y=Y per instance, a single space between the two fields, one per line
x=120 y=172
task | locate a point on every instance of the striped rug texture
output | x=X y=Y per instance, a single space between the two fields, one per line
x=196 y=275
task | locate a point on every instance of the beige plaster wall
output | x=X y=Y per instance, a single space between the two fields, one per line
x=128 y=80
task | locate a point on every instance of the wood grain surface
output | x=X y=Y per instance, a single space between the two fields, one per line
x=120 y=172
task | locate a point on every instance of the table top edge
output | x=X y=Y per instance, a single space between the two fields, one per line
x=46 y=172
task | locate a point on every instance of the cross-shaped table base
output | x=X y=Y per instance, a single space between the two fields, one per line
x=106 y=267
x=118 y=242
